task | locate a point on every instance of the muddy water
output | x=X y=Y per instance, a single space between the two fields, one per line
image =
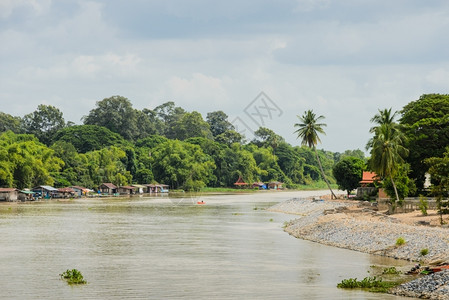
x=170 y=248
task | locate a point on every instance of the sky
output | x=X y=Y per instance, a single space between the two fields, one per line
x=262 y=62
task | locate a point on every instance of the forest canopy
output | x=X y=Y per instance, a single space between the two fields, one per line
x=123 y=145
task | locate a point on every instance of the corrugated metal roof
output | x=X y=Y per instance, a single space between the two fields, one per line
x=6 y=190
x=47 y=187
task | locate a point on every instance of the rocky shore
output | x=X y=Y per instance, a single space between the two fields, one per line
x=358 y=226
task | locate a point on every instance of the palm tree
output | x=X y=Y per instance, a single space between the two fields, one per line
x=308 y=131
x=387 y=151
x=383 y=117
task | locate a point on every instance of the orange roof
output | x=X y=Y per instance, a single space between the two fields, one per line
x=368 y=177
x=240 y=182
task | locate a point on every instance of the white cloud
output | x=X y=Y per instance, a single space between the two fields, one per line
x=7 y=7
x=310 y=5
x=343 y=59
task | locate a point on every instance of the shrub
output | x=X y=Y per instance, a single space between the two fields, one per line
x=424 y=252
x=400 y=241
x=423 y=205
x=73 y=277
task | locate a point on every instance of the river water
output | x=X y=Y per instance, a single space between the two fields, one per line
x=170 y=248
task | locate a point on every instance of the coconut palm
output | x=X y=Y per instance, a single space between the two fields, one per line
x=387 y=152
x=307 y=131
x=383 y=117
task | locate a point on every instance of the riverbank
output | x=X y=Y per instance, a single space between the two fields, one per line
x=358 y=226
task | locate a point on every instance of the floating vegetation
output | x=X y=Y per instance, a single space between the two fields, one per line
x=371 y=283
x=73 y=277
x=391 y=271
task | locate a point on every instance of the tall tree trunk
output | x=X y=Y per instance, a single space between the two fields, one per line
x=395 y=189
x=322 y=173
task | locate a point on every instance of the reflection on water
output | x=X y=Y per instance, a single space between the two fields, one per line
x=153 y=248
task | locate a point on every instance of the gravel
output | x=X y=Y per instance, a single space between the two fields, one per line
x=347 y=225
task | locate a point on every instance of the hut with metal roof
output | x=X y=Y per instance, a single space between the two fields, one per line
x=9 y=194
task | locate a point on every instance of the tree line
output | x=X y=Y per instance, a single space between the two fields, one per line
x=120 y=144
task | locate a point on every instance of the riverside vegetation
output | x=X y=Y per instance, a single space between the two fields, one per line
x=120 y=144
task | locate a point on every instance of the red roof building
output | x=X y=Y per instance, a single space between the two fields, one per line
x=368 y=178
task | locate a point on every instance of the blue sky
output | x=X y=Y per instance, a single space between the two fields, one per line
x=344 y=59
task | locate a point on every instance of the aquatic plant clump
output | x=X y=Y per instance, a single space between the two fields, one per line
x=73 y=277
x=371 y=283
x=391 y=271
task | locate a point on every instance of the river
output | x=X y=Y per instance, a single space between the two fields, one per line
x=170 y=248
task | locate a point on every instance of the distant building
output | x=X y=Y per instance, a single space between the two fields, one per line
x=139 y=189
x=9 y=194
x=367 y=188
x=80 y=191
x=368 y=178
x=126 y=190
x=65 y=193
x=107 y=188
x=45 y=191
x=240 y=182
x=275 y=185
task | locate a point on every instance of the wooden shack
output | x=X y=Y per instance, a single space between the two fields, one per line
x=65 y=192
x=9 y=194
x=275 y=185
x=107 y=188
x=126 y=190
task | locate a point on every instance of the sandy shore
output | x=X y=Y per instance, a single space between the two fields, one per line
x=359 y=226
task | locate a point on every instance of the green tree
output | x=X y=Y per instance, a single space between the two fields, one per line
x=8 y=122
x=308 y=131
x=106 y=165
x=404 y=185
x=181 y=165
x=348 y=173
x=218 y=122
x=387 y=150
x=192 y=125
x=27 y=161
x=229 y=137
x=426 y=123
x=116 y=114
x=439 y=172
x=87 y=138
x=291 y=162
x=168 y=115
x=44 y=123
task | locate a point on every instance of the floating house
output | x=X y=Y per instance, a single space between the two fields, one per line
x=275 y=185
x=65 y=193
x=139 y=189
x=45 y=191
x=80 y=191
x=9 y=194
x=157 y=188
x=107 y=188
x=126 y=190
x=26 y=195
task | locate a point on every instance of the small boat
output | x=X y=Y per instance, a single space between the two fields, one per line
x=439 y=268
x=201 y=202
